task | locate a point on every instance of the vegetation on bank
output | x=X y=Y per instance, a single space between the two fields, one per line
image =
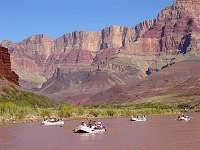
x=17 y=105
x=16 y=112
x=111 y=110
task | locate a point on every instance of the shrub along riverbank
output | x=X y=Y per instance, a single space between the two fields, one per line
x=11 y=112
x=17 y=106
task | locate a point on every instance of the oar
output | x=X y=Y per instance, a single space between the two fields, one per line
x=109 y=130
x=65 y=126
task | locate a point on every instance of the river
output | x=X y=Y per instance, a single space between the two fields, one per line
x=159 y=132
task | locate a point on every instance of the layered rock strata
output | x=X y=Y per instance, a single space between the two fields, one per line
x=148 y=46
x=5 y=67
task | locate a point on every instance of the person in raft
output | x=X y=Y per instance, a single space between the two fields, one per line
x=83 y=123
x=90 y=123
x=182 y=115
x=94 y=123
x=99 y=125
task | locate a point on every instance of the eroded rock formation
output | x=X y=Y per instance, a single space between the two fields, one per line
x=5 y=66
x=149 y=47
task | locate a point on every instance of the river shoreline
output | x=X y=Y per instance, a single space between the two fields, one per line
x=39 y=118
x=13 y=120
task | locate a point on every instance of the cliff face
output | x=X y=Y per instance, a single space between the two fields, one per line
x=5 y=66
x=78 y=40
x=151 y=44
x=174 y=28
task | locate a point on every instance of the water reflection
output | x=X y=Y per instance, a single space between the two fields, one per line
x=90 y=136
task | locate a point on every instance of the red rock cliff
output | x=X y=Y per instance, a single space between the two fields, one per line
x=175 y=30
x=5 y=66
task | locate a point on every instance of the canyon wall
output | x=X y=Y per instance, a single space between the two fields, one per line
x=5 y=66
x=149 y=44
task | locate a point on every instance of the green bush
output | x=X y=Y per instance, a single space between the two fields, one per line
x=21 y=114
x=151 y=105
x=80 y=111
x=9 y=106
x=126 y=112
x=94 y=112
x=46 y=112
x=66 y=111
x=2 y=108
x=110 y=112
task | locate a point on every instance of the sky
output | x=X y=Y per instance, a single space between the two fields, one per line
x=20 y=19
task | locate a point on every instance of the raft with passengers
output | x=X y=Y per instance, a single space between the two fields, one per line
x=92 y=127
x=183 y=117
x=53 y=121
x=138 y=118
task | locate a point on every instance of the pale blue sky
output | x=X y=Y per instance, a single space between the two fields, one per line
x=22 y=18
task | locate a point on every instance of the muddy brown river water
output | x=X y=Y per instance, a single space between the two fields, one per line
x=160 y=132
